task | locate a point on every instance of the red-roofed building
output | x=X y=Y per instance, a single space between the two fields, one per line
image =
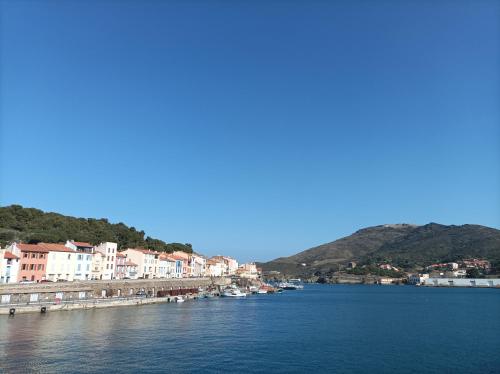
x=125 y=269
x=32 y=261
x=147 y=261
x=61 y=262
x=9 y=266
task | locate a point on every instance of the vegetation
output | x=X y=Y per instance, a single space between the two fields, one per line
x=33 y=225
x=408 y=247
x=374 y=270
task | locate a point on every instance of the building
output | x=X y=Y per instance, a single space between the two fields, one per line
x=198 y=264
x=146 y=260
x=230 y=264
x=61 y=262
x=97 y=265
x=120 y=267
x=109 y=250
x=83 y=265
x=215 y=268
x=9 y=267
x=32 y=261
x=462 y=282
x=248 y=271
x=417 y=278
x=185 y=257
x=177 y=265
x=131 y=270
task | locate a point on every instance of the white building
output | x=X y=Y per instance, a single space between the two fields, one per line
x=198 y=265
x=230 y=264
x=462 y=282
x=146 y=260
x=61 y=262
x=215 y=268
x=9 y=266
x=417 y=278
x=108 y=249
x=248 y=271
x=83 y=265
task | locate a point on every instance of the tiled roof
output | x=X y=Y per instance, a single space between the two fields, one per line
x=145 y=251
x=10 y=256
x=130 y=263
x=82 y=244
x=119 y=254
x=31 y=247
x=53 y=247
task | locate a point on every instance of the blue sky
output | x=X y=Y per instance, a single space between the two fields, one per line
x=252 y=128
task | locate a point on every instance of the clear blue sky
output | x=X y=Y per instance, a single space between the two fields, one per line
x=252 y=128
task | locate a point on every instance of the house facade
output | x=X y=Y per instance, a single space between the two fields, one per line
x=83 y=264
x=109 y=250
x=9 y=267
x=147 y=262
x=32 y=261
x=61 y=262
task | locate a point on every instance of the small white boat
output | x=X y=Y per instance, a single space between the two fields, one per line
x=232 y=292
x=262 y=291
x=179 y=299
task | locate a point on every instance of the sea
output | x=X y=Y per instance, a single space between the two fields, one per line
x=320 y=329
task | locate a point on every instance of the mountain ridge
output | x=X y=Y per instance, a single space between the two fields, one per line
x=404 y=245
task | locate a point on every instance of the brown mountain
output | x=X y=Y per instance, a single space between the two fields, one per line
x=403 y=245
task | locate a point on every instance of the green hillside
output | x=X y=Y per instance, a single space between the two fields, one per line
x=33 y=225
x=402 y=245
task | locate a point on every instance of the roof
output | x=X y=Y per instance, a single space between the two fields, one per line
x=82 y=244
x=10 y=256
x=145 y=251
x=130 y=263
x=52 y=247
x=31 y=247
x=119 y=254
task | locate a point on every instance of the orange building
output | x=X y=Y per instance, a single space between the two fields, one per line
x=32 y=262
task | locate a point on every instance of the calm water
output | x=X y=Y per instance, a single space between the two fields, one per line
x=326 y=329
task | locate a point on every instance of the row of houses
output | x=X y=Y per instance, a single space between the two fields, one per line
x=70 y=261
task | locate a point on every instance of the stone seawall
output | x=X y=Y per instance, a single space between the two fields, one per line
x=36 y=293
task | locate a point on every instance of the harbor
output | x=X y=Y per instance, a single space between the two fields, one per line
x=44 y=298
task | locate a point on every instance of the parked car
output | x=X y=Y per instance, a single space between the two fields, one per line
x=141 y=293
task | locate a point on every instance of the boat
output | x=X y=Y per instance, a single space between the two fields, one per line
x=262 y=290
x=287 y=286
x=179 y=299
x=231 y=292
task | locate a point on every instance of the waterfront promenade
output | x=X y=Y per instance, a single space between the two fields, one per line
x=97 y=294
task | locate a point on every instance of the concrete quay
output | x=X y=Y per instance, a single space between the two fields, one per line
x=96 y=294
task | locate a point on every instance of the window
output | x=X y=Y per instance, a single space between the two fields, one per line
x=112 y=258
x=25 y=255
x=42 y=255
x=79 y=267
x=69 y=257
x=33 y=255
x=107 y=259
x=88 y=267
x=107 y=266
x=111 y=266
x=40 y=267
x=32 y=267
x=80 y=257
x=24 y=267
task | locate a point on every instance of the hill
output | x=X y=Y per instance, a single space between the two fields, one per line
x=403 y=245
x=33 y=225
